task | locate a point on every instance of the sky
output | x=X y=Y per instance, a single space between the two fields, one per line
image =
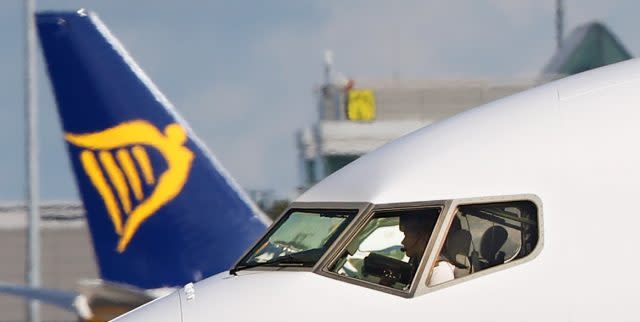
x=243 y=73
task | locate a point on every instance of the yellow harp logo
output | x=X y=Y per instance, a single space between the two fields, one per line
x=123 y=141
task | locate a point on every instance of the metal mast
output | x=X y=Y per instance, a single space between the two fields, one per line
x=559 y=22
x=31 y=116
x=328 y=66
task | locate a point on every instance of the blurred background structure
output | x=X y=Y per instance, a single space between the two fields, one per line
x=67 y=254
x=241 y=74
x=589 y=46
x=358 y=116
x=350 y=126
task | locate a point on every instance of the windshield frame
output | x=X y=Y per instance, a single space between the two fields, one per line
x=361 y=221
x=419 y=285
x=357 y=207
x=456 y=203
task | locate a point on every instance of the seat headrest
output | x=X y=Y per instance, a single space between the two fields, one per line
x=492 y=240
x=457 y=243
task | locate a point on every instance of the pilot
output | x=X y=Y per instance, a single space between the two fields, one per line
x=417 y=230
x=444 y=270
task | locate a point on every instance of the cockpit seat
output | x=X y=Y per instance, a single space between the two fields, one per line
x=490 y=244
x=456 y=251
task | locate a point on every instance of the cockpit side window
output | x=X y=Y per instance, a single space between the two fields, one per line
x=387 y=250
x=482 y=236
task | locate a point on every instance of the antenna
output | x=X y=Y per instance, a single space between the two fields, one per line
x=328 y=66
x=559 y=22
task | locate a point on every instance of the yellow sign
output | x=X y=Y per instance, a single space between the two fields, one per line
x=132 y=136
x=361 y=105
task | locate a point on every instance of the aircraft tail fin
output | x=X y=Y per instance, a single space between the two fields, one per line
x=162 y=211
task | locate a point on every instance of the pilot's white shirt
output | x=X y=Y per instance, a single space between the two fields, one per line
x=442 y=272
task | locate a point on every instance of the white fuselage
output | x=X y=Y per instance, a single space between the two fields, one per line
x=572 y=143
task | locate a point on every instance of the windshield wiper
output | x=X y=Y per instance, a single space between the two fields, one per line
x=280 y=260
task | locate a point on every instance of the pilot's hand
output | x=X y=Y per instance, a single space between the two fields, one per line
x=388 y=280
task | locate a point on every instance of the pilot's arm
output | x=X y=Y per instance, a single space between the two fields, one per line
x=442 y=272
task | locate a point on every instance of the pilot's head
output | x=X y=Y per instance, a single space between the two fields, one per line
x=417 y=229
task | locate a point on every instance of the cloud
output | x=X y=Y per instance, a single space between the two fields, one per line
x=417 y=40
x=524 y=12
x=240 y=129
x=580 y=12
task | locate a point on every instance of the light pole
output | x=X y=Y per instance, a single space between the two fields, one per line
x=31 y=116
x=559 y=22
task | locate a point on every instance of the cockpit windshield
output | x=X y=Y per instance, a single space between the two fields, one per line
x=388 y=249
x=299 y=239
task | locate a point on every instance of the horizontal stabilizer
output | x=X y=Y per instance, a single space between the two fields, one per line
x=66 y=300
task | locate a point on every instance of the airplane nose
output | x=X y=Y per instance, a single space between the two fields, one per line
x=166 y=308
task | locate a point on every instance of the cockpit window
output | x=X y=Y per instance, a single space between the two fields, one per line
x=482 y=236
x=299 y=240
x=388 y=248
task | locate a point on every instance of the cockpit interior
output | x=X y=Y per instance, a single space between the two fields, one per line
x=403 y=249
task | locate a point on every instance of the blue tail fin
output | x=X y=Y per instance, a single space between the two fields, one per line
x=161 y=210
